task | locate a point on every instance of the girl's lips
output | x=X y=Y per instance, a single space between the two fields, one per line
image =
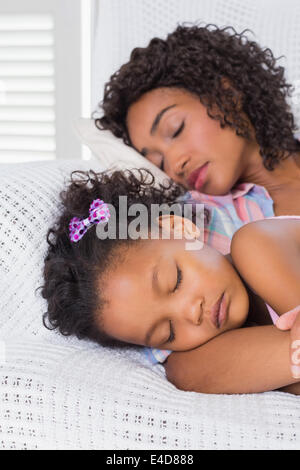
x=197 y=177
x=214 y=314
x=223 y=311
x=219 y=311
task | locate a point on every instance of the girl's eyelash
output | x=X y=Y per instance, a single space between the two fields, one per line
x=172 y=334
x=179 y=278
x=180 y=129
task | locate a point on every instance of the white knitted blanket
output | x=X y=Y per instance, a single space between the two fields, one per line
x=62 y=393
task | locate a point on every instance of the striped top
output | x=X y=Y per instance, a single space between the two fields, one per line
x=246 y=202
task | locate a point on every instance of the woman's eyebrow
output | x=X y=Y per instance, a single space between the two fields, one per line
x=158 y=118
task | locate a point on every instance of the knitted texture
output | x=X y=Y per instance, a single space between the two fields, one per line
x=62 y=393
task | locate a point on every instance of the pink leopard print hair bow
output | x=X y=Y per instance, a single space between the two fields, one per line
x=99 y=213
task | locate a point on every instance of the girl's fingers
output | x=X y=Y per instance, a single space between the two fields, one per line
x=286 y=321
x=295 y=349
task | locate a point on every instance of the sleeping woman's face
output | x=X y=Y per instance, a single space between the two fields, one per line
x=171 y=128
x=161 y=295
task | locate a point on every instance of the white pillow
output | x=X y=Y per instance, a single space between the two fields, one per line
x=29 y=205
x=111 y=151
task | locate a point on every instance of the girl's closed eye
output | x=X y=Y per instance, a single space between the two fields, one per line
x=172 y=334
x=178 y=282
x=179 y=279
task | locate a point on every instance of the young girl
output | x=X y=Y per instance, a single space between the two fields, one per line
x=153 y=292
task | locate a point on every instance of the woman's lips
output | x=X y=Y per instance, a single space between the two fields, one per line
x=197 y=177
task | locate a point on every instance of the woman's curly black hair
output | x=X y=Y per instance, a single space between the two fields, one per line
x=200 y=60
x=73 y=271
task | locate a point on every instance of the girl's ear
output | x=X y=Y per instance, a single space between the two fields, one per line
x=178 y=226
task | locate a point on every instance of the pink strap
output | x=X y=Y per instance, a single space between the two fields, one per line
x=273 y=314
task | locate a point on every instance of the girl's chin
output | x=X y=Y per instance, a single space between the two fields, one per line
x=238 y=314
x=235 y=324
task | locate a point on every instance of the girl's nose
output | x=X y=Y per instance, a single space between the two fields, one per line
x=195 y=312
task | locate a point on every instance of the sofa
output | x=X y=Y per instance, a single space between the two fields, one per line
x=59 y=392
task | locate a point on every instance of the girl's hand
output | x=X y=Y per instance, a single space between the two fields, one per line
x=291 y=321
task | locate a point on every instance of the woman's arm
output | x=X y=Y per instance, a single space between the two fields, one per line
x=245 y=360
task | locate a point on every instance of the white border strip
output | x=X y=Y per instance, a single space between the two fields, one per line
x=86 y=43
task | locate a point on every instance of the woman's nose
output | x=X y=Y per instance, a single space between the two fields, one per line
x=180 y=165
x=177 y=163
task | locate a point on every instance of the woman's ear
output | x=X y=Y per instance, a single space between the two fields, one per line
x=226 y=84
x=180 y=227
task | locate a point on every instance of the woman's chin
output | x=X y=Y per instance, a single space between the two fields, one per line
x=219 y=184
x=213 y=188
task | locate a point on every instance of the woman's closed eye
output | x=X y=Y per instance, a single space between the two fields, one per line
x=176 y=134
x=179 y=130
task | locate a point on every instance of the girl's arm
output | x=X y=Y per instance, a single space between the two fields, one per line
x=266 y=253
x=245 y=360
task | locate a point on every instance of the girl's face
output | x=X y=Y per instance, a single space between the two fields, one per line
x=171 y=128
x=161 y=295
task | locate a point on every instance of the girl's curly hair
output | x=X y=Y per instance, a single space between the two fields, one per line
x=200 y=60
x=73 y=271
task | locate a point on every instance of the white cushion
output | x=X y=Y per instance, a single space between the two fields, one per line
x=62 y=393
x=110 y=151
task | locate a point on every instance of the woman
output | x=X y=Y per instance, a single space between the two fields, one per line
x=210 y=109
x=207 y=97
